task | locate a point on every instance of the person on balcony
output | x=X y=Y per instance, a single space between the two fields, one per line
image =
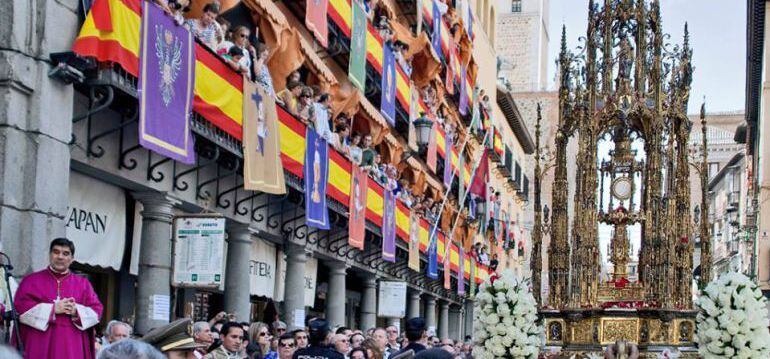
x=367 y=156
x=289 y=97
x=340 y=139
x=175 y=9
x=205 y=28
x=398 y=52
x=241 y=36
x=356 y=153
x=233 y=59
x=322 y=111
x=261 y=73
x=306 y=107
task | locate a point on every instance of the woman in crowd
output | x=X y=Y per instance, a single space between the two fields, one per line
x=259 y=342
x=205 y=28
x=358 y=353
x=373 y=351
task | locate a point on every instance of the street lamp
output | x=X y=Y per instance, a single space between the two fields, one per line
x=422 y=127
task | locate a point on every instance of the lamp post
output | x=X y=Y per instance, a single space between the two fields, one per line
x=423 y=127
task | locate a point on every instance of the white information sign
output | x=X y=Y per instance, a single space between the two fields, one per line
x=392 y=299
x=199 y=247
x=160 y=307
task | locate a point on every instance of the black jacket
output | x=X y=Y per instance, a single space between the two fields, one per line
x=416 y=347
x=316 y=352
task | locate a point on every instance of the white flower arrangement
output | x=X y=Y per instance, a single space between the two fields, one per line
x=507 y=325
x=732 y=322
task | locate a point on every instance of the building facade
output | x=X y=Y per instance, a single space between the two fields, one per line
x=522 y=43
x=754 y=132
x=71 y=165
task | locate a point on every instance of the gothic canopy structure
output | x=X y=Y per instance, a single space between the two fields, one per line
x=627 y=86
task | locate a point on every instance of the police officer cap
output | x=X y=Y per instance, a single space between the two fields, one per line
x=176 y=335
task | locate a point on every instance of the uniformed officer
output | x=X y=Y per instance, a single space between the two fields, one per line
x=175 y=339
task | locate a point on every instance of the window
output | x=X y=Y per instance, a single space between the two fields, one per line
x=516 y=6
x=713 y=169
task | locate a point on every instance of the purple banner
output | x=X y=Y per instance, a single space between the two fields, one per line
x=388 y=81
x=316 y=173
x=166 y=81
x=389 y=227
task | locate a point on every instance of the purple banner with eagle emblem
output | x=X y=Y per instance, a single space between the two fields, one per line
x=166 y=80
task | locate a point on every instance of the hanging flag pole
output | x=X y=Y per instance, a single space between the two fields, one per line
x=476 y=164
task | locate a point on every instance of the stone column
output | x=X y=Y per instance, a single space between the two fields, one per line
x=461 y=323
x=454 y=322
x=369 y=303
x=413 y=309
x=469 y=317
x=443 y=320
x=294 y=292
x=35 y=129
x=237 y=276
x=335 y=296
x=430 y=311
x=154 y=279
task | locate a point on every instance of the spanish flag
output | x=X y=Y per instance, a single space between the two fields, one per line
x=110 y=33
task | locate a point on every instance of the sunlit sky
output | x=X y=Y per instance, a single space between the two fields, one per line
x=717 y=35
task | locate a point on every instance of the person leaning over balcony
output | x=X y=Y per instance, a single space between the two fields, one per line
x=233 y=59
x=226 y=42
x=175 y=8
x=289 y=97
x=340 y=140
x=205 y=28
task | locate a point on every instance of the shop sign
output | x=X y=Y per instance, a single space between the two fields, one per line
x=262 y=269
x=311 y=276
x=96 y=221
x=392 y=299
x=199 y=247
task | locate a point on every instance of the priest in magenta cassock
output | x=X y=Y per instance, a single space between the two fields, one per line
x=57 y=309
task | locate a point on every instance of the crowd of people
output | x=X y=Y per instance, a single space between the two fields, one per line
x=228 y=339
x=59 y=312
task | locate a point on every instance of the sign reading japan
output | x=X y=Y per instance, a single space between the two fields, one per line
x=199 y=247
x=392 y=299
x=96 y=221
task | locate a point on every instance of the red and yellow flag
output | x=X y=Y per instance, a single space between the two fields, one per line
x=110 y=33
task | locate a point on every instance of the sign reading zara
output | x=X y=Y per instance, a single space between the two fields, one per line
x=96 y=221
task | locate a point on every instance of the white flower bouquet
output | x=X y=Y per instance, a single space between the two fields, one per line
x=506 y=321
x=732 y=322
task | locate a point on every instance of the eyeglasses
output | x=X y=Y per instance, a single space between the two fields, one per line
x=287 y=345
x=280 y=329
x=243 y=36
x=262 y=334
